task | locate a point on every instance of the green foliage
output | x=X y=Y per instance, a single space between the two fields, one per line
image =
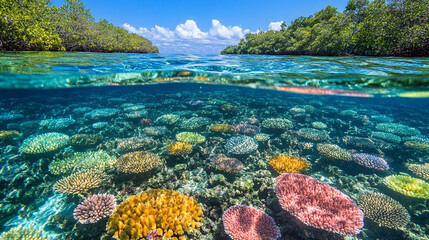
x=36 y=25
x=379 y=28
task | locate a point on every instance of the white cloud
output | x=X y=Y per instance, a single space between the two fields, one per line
x=222 y=32
x=189 y=38
x=275 y=26
x=189 y=29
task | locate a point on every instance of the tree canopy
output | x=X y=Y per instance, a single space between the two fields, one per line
x=374 y=28
x=37 y=25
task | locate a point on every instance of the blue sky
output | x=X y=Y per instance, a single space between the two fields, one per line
x=203 y=26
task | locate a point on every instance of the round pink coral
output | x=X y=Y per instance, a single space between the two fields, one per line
x=248 y=223
x=317 y=204
x=94 y=208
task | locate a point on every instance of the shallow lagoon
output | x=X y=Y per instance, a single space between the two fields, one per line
x=354 y=137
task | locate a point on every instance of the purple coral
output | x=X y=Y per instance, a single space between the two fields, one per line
x=94 y=208
x=370 y=161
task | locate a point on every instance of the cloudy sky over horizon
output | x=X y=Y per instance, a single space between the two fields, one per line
x=187 y=36
x=195 y=26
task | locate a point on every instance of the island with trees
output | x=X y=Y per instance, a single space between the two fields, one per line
x=36 y=25
x=371 y=28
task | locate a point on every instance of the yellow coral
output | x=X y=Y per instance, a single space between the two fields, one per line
x=170 y=213
x=179 y=148
x=22 y=233
x=137 y=162
x=408 y=186
x=287 y=164
x=8 y=135
x=80 y=182
x=421 y=170
x=221 y=128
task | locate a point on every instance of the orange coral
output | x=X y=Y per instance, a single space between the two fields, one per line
x=287 y=164
x=179 y=148
x=221 y=128
x=170 y=213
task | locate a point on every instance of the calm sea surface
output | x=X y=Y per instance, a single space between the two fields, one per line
x=155 y=146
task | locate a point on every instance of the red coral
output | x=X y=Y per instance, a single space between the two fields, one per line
x=95 y=208
x=248 y=223
x=317 y=204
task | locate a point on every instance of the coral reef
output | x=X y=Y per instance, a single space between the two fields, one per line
x=190 y=137
x=81 y=161
x=44 y=143
x=85 y=140
x=409 y=186
x=397 y=129
x=168 y=119
x=420 y=170
x=370 y=161
x=383 y=210
x=179 y=148
x=245 y=128
x=313 y=134
x=195 y=123
x=6 y=135
x=135 y=144
x=80 y=182
x=221 y=128
x=241 y=145
x=94 y=208
x=103 y=113
x=277 y=124
x=137 y=162
x=288 y=164
x=317 y=204
x=333 y=151
x=248 y=223
x=171 y=214
x=227 y=164
x=385 y=136
x=56 y=124
x=23 y=233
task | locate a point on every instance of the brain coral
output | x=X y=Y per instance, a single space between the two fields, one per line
x=80 y=161
x=317 y=204
x=287 y=164
x=421 y=170
x=80 y=182
x=190 y=137
x=94 y=208
x=137 y=162
x=44 y=143
x=333 y=151
x=409 y=186
x=22 y=233
x=179 y=148
x=227 y=164
x=370 y=161
x=241 y=145
x=383 y=210
x=170 y=213
x=248 y=223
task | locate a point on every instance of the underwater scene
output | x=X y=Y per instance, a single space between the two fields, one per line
x=158 y=146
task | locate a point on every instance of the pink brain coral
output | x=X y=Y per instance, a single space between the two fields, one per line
x=317 y=204
x=248 y=223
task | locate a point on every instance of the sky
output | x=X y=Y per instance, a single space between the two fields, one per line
x=201 y=26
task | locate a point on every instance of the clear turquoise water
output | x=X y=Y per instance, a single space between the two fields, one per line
x=140 y=102
x=384 y=76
